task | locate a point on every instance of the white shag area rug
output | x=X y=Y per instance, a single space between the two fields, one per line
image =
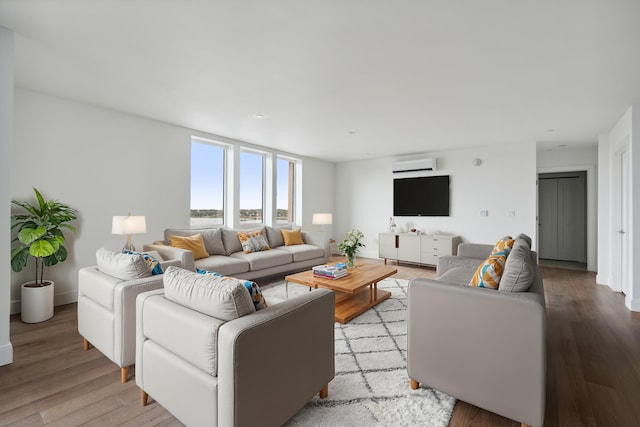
x=371 y=386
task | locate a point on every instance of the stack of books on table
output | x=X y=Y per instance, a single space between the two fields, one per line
x=329 y=272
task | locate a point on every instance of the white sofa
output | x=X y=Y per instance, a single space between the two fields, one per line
x=227 y=258
x=107 y=311
x=209 y=358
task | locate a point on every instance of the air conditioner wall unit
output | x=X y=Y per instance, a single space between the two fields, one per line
x=414 y=165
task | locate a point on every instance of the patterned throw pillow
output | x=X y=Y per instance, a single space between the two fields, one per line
x=292 y=237
x=489 y=273
x=505 y=243
x=193 y=243
x=254 y=241
x=252 y=287
x=154 y=264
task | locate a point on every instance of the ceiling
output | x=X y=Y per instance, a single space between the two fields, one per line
x=342 y=80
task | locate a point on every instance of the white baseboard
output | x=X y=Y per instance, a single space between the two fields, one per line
x=602 y=280
x=6 y=354
x=632 y=304
x=59 y=299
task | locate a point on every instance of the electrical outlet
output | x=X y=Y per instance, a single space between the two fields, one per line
x=511 y=213
x=484 y=212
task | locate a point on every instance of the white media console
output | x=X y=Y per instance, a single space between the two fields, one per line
x=417 y=248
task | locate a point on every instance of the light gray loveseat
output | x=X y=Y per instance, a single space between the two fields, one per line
x=227 y=258
x=209 y=358
x=483 y=346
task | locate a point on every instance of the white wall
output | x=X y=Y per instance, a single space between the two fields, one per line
x=578 y=159
x=107 y=163
x=6 y=143
x=506 y=180
x=625 y=131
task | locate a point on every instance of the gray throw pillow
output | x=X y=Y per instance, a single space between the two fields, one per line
x=519 y=270
x=274 y=235
x=525 y=238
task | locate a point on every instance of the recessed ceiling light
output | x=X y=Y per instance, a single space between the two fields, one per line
x=259 y=116
x=551 y=130
x=352 y=132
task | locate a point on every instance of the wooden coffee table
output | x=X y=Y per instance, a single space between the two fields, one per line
x=355 y=293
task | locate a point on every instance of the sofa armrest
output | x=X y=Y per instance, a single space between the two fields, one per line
x=317 y=238
x=275 y=360
x=482 y=346
x=118 y=297
x=474 y=250
x=170 y=253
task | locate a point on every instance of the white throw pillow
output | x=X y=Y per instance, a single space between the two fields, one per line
x=122 y=266
x=206 y=294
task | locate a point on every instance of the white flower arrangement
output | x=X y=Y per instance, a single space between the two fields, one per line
x=352 y=243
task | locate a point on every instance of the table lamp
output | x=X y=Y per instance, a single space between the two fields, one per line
x=322 y=219
x=128 y=225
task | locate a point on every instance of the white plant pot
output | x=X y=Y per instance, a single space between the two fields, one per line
x=37 y=303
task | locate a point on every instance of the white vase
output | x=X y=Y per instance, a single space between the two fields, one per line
x=37 y=302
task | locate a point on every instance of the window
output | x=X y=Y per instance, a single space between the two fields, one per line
x=207 y=184
x=285 y=191
x=251 y=187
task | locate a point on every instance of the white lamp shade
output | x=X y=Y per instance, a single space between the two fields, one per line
x=322 y=219
x=128 y=225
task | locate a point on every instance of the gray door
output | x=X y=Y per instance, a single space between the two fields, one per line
x=562 y=214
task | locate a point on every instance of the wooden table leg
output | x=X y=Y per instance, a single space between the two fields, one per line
x=375 y=291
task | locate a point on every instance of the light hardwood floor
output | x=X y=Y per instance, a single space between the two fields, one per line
x=593 y=367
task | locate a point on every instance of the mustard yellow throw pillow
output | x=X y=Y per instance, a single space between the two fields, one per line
x=292 y=237
x=489 y=273
x=506 y=243
x=254 y=241
x=193 y=243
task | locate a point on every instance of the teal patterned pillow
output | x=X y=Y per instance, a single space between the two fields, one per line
x=154 y=264
x=252 y=287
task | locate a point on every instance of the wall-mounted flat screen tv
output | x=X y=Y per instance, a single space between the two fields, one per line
x=422 y=196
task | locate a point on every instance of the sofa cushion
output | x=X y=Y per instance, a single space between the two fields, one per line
x=264 y=259
x=292 y=237
x=231 y=241
x=207 y=294
x=303 y=252
x=152 y=258
x=489 y=273
x=458 y=275
x=274 y=235
x=519 y=269
x=193 y=243
x=448 y=262
x=254 y=241
x=122 y=266
x=212 y=238
x=526 y=238
x=259 y=302
x=225 y=265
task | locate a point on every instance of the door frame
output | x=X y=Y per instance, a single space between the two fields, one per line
x=592 y=224
x=620 y=272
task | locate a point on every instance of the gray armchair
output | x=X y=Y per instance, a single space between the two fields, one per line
x=257 y=369
x=107 y=310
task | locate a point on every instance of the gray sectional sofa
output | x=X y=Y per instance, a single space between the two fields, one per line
x=483 y=346
x=226 y=256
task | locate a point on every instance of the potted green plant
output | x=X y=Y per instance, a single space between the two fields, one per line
x=39 y=235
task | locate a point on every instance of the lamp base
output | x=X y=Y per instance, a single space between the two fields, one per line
x=128 y=246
